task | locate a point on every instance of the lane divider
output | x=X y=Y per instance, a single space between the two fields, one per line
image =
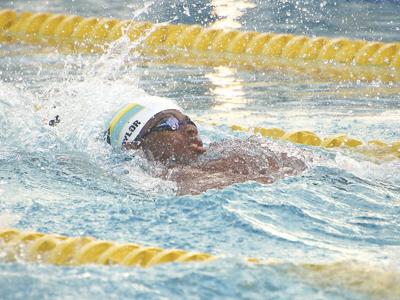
x=92 y=34
x=61 y=250
x=331 y=58
x=373 y=148
x=376 y=149
x=16 y=245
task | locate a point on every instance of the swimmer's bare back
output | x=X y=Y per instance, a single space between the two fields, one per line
x=222 y=172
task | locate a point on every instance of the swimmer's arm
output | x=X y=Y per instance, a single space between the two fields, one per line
x=222 y=172
x=193 y=181
x=238 y=164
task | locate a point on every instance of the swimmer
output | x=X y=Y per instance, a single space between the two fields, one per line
x=164 y=134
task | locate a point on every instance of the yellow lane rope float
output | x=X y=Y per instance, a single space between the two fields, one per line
x=60 y=250
x=18 y=245
x=184 y=43
x=376 y=149
x=373 y=148
x=337 y=58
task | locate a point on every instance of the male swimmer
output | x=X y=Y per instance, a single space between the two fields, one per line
x=166 y=135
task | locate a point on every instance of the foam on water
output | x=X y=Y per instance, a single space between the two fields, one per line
x=8 y=219
x=85 y=96
x=376 y=172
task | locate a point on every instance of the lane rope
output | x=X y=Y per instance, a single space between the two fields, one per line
x=61 y=250
x=28 y=246
x=193 y=43
x=373 y=148
x=338 y=58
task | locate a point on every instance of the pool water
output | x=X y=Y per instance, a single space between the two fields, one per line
x=66 y=180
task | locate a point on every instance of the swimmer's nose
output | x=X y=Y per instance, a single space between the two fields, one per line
x=197 y=140
x=197 y=145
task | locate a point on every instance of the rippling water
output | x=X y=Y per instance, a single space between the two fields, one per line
x=65 y=180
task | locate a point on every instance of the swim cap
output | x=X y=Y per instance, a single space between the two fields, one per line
x=127 y=122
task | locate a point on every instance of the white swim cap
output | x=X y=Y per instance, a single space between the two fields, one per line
x=128 y=121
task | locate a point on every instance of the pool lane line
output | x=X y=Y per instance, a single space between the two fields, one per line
x=321 y=57
x=92 y=34
x=376 y=149
x=29 y=246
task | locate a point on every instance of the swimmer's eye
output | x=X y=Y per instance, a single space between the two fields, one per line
x=171 y=123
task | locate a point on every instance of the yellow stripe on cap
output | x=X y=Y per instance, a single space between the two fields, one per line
x=119 y=115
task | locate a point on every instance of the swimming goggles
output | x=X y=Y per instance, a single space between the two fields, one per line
x=170 y=123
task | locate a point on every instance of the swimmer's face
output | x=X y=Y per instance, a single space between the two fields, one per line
x=168 y=141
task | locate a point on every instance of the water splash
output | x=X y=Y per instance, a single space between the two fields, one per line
x=375 y=172
x=8 y=219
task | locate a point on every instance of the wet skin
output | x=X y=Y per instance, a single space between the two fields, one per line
x=181 y=146
x=179 y=151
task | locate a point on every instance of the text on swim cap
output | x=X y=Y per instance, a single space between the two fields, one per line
x=131 y=129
